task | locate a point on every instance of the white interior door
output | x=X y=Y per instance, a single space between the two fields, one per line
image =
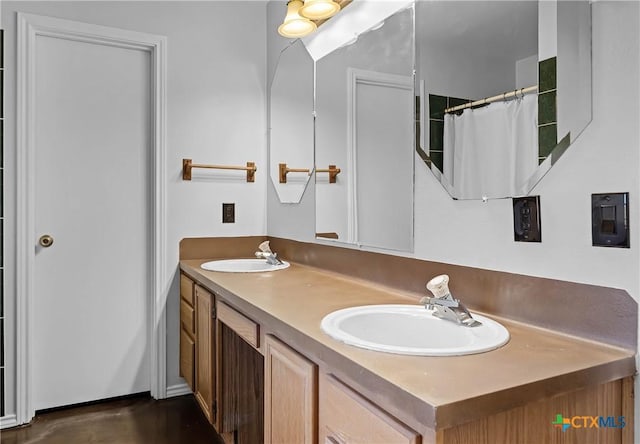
x=382 y=117
x=92 y=156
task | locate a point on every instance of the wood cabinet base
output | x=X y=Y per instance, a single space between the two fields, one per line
x=535 y=422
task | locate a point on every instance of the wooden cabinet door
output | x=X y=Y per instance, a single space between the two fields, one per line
x=347 y=418
x=290 y=390
x=205 y=347
x=241 y=394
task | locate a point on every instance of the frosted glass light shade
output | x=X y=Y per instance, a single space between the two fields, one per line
x=295 y=26
x=319 y=9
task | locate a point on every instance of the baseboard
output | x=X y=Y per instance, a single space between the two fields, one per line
x=178 y=390
x=8 y=421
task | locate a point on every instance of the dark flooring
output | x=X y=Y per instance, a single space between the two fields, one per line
x=137 y=420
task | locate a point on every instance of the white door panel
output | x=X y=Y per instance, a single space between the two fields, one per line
x=92 y=195
x=381 y=112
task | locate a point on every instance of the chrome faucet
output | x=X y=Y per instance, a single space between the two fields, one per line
x=266 y=253
x=445 y=306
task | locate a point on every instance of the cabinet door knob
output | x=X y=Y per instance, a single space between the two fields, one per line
x=45 y=240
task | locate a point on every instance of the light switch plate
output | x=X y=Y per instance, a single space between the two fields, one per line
x=610 y=220
x=526 y=219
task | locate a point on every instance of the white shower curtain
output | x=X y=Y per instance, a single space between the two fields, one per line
x=491 y=151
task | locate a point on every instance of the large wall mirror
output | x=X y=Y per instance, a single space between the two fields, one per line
x=365 y=129
x=531 y=59
x=291 y=123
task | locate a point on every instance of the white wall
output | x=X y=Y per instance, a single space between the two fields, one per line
x=215 y=114
x=462 y=75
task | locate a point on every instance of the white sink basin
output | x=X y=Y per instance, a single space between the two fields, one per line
x=411 y=330
x=242 y=266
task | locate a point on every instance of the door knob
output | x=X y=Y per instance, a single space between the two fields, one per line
x=46 y=241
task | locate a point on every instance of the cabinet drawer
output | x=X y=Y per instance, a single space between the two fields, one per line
x=186 y=289
x=187 y=358
x=187 y=318
x=239 y=323
x=346 y=417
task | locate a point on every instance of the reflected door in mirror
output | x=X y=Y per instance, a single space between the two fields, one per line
x=381 y=112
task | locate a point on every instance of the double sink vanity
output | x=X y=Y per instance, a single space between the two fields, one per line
x=259 y=350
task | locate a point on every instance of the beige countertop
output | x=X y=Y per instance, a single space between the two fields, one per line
x=435 y=392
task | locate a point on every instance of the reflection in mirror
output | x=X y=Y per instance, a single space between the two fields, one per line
x=291 y=116
x=531 y=61
x=364 y=126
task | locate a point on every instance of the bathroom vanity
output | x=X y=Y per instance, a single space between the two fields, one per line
x=254 y=354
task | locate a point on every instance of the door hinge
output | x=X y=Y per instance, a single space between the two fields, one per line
x=213 y=311
x=214 y=408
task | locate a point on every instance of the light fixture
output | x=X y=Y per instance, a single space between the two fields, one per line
x=319 y=9
x=294 y=25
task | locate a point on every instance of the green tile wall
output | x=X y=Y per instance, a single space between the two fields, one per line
x=436 y=135
x=547 y=75
x=547 y=108
x=547 y=139
x=437 y=105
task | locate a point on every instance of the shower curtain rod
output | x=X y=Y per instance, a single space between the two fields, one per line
x=503 y=96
